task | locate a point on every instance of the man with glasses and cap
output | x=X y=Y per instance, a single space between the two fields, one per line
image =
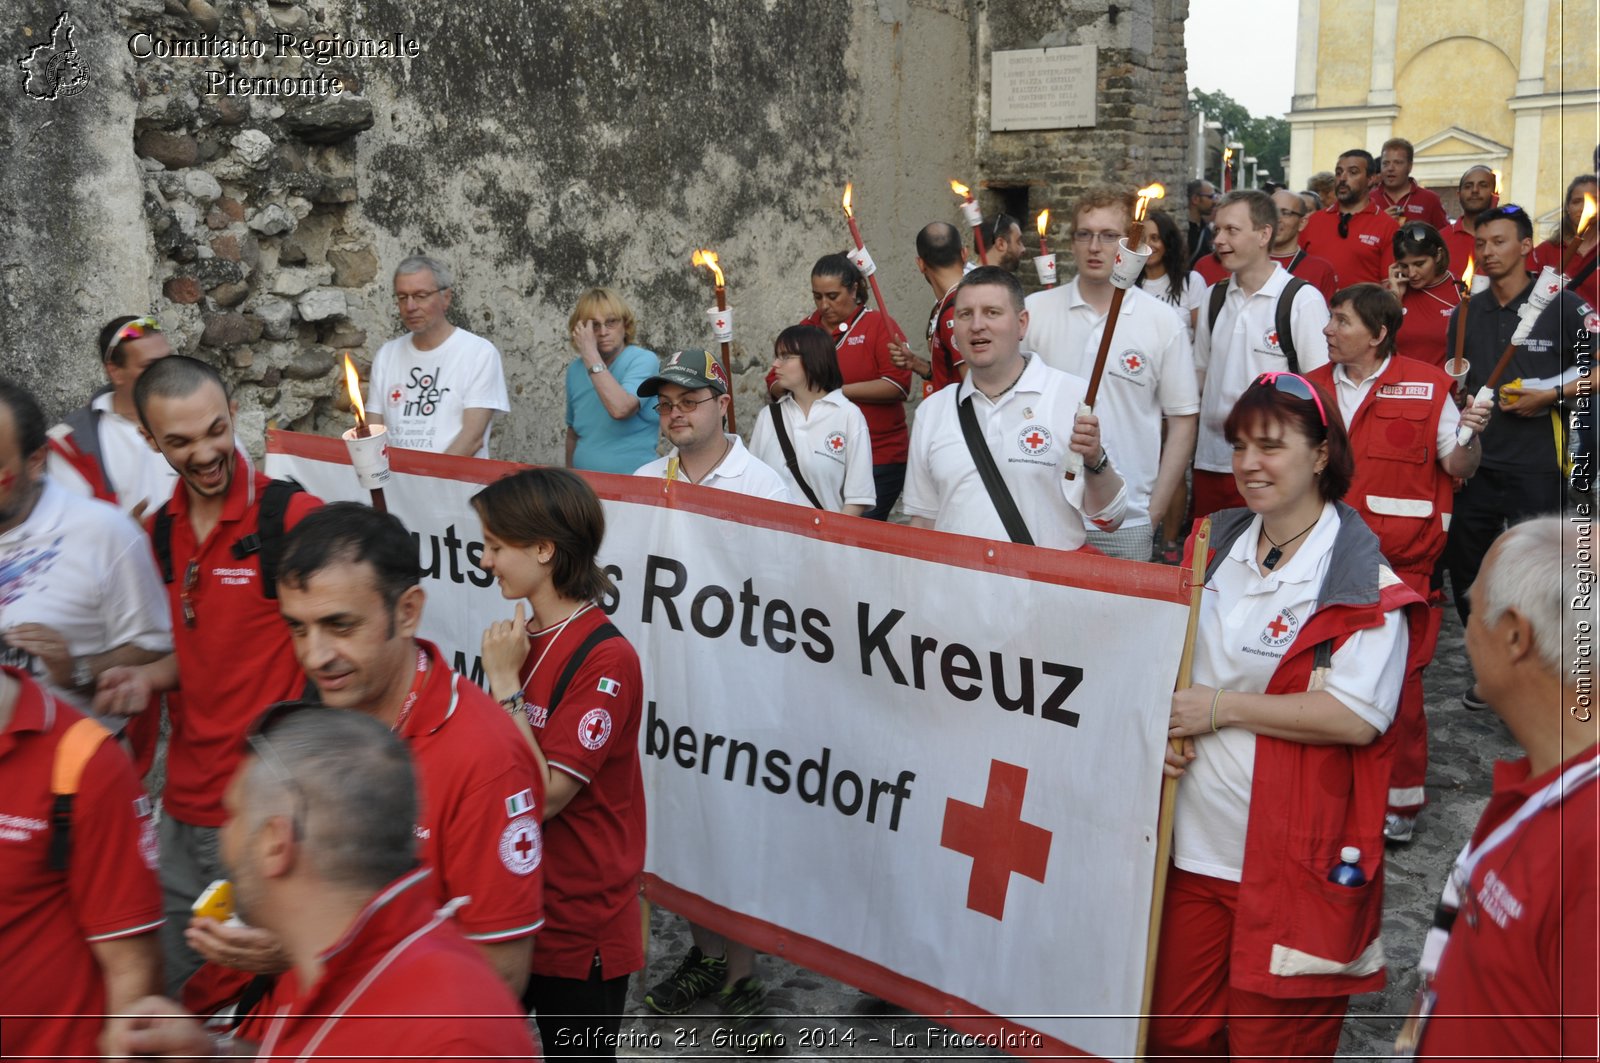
x=438 y=387
x=97 y=449
x=692 y=401
x=1352 y=233
x=321 y=847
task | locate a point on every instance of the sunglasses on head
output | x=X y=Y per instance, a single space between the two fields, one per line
x=138 y=328
x=1344 y=225
x=1295 y=385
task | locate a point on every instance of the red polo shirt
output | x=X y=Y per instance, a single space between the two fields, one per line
x=942 y=353
x=1463 y=244
x=594 y=847
x=863 y=348
x=482 y=803
x=1365 y=254
x=400 y=984
x=1315 y=271
x=1551 y=252
x=49 y=919
x=236 y=658
x=1416 y=204
x=1427 y=319
x=1518 y=978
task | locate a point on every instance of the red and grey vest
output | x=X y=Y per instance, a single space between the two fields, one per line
x=1398 y=487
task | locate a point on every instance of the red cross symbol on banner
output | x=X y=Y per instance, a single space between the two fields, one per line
x=1034 y=440
x=1277 y=627
x=394 y=396
x=524 y=844
x=996 y=838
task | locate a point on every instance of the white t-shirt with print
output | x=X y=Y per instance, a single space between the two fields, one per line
x=423 y=395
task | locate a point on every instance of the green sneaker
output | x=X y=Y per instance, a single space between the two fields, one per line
x=697 y=976
x=744 y=1002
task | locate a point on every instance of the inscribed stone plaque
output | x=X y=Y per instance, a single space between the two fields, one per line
x=1043 y=88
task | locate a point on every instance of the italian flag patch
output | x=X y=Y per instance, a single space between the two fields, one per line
x=608 y=686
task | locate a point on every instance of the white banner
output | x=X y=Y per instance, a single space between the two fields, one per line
x=924 y=764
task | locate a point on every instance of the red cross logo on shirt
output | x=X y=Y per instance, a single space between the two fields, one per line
x=523 y=844
x=594 y=728
x=394 y=396
x=1277 y=627
x=1035 y=440
x=997 y=839
x=835 y=442
x=1280 y=630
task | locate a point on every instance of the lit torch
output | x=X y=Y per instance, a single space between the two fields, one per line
x=1227 y=169
x=721 y=323
x=1126 y=269
x=973 y=215
x=368 y=443
x=1044 y=226
x=1496 y=186
x=863 y=260
x=1045 y=262
x=1458 y=368
x=1584 y=221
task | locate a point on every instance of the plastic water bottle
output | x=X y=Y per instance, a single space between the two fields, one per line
x=1347 y=872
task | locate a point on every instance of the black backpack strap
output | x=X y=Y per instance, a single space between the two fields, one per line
x=1299 y=257
x=1284 y=318
x=161 y=540
x=604 y=633
x=1583 y=274
x=789 y=458
x=1219 y=294
x=267 y=539
x=999 y=493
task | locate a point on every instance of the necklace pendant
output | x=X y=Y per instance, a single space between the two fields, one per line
x=1271 y=560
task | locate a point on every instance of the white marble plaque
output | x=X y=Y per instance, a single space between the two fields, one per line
x=1043 y=88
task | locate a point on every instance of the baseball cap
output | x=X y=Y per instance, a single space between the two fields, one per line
x=690 y=369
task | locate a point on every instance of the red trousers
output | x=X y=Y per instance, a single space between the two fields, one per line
x=1196 y=1012
x=1214 y=491
x=1409 y=775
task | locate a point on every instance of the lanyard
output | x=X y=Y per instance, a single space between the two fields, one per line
x=845 y=334
x=417 y=682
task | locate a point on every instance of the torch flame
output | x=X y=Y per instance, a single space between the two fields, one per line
x=848 y=188
x=352 y=383
x=1588 y=213
x=1227 y=156
x=960 y=189
x=1146 y=194
x=1044 y=222
x=1496 y=181
x=709 y=260
x=1467 y=274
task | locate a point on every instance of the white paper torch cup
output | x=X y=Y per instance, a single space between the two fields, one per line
x=861 y=258
x=1545 y=287
x=721 y=324
x=1128 y=266
x=370 y=456
x=1480 y=283
x=1461 y=377
x=1046 y=265
x=972 y=212
x=1464 y=434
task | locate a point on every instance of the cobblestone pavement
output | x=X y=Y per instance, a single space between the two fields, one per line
x=825 y=1019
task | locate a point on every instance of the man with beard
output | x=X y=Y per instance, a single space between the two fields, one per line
x=1476 y=193
x=1005 y=242
x=1353 y=234
x=217 y=542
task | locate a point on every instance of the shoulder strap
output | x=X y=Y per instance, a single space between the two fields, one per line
x=789 y=458
x=267 y=540
x=161 y=539
x=1284 y=318
x=1299 y=257
x=1219 y=293
x=1583 y=274
x=999 y=493
x=605 y=632
x=81 y=449
x=77 y=747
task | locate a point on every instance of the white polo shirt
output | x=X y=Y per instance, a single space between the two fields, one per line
x=1027 y=430
x=1243 y=346
x=138 y=473
x=832 y=446
x=1149 y=373
x=1246 y=626
x=1351 y=395
x=739 y=472
x=80 y=566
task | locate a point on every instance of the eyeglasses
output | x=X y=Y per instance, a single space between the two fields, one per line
x=402 y=298
x=257 y=739
x=1292 y=213
x=1084 y=236
x=663 y=406
x=138 y=328
x=191 y=579
x=1294 y=385
x=1344 y=225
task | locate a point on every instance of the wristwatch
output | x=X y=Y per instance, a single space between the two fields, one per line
x=1100 y=466
x=596 y=370
x=82 y=674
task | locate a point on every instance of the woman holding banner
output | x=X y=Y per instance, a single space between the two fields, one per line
x=572 y=683
x=1285 y=751
x=815 y=438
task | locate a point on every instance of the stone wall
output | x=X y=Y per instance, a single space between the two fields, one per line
x=539 y=149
